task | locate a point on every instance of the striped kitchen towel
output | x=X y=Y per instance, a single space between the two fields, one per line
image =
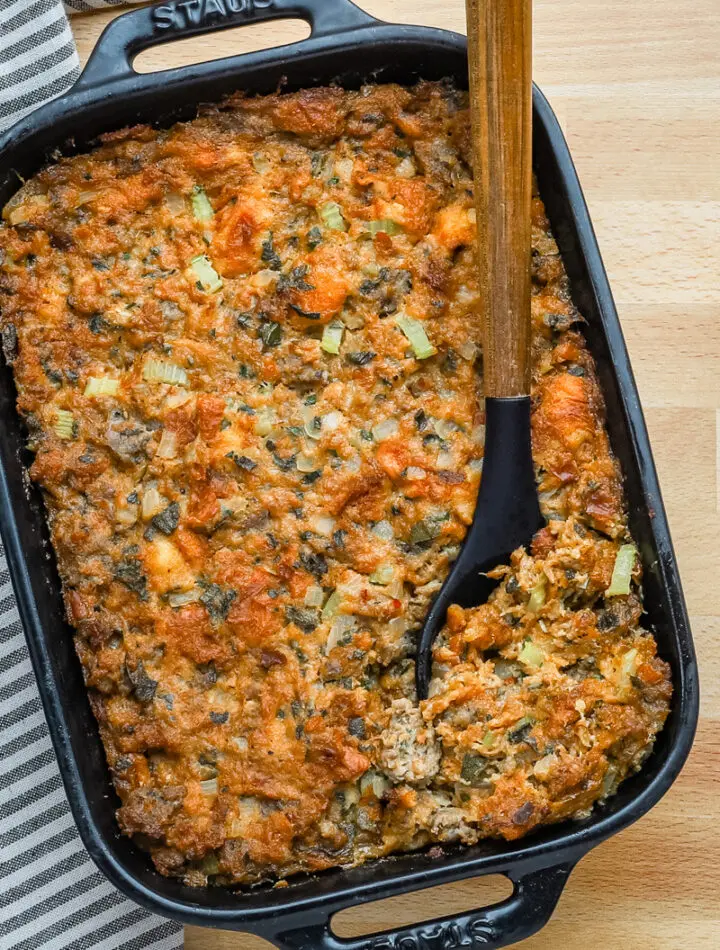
x=52 y=897
x=38 y=59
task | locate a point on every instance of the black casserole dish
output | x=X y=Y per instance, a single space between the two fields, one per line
x=351 y=47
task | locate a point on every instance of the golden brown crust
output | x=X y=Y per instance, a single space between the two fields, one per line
x=249 y=526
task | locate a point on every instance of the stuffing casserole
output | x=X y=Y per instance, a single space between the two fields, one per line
x=246 y=349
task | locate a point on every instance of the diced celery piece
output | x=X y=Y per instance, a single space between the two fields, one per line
x=383 y=574
x=163 y=372
x=101 y=386
x=531 y=655
x=205 y=273
x=622 y=571
x=332 y=337
x=537 y=595
x=384 y=224
x=202 y=209
x=331 y=214
x=416 y=336
x=64 y=424
x=331 y=605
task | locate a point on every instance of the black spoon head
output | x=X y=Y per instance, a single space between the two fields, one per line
x=507 y=515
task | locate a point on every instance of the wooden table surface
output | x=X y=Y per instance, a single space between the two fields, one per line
x=636 y=85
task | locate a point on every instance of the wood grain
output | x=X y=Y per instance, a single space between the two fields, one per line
x=500 y=71
x=636 y=85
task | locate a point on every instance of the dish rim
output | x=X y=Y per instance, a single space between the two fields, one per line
x=565 y=843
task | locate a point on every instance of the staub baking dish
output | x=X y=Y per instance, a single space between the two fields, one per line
x=349 y=47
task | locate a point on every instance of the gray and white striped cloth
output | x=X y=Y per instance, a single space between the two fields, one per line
x=52 y=897
x=38 y=59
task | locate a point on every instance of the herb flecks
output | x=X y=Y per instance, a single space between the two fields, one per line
x=218 y=600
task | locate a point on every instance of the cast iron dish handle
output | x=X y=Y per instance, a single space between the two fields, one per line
x=528 y=908
x=133 y=32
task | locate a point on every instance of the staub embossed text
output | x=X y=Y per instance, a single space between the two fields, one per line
x=465 y=934
x=181 y=14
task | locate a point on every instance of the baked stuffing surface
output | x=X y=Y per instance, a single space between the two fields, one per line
x=246 y=350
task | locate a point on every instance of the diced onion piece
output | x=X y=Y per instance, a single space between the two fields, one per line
x=384 y=530
x=314 y=597
x=331 y=214
x=445 y=427
x=543 y=767
x=331 y=605
x=445 y=460
x=260 y=163
x=627 y=668
x=177 y=398
x=202 y=209
x=531 y=655
x=622 y=571
x=386 y=225
x=313 y=425
x=537 y=595
x=366 y=781
x=175 y=202
x=468 y=351
x=265 y=277
x=416 y=336
x=396 y=588
x=383 y=574
x=167 y=449
x=163 y=372
x=414 y=473
x=380 y=785
x=265 y=420
x=332 y=337
x=205 y=273
x=64 y=424
x=374 y=781
x=240 y=743
x=344 y=169
x=397 y=626
x=476 y=465
x=152 y=502
x=385 y=430
x=352 y=464
x=323 y=524
x=406 y=168
x=180 y=598
x=332 y=420
x=353 y=321
x=101 y=386
x=126 y=515
x=209 y=786
x=305 y=463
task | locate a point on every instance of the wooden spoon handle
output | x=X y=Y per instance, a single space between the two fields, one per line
x=500 y=69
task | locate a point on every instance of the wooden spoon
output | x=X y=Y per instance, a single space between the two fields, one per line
x=507 y=514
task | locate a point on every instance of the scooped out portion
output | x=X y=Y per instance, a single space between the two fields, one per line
x=546 y=697
x=246 y=349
